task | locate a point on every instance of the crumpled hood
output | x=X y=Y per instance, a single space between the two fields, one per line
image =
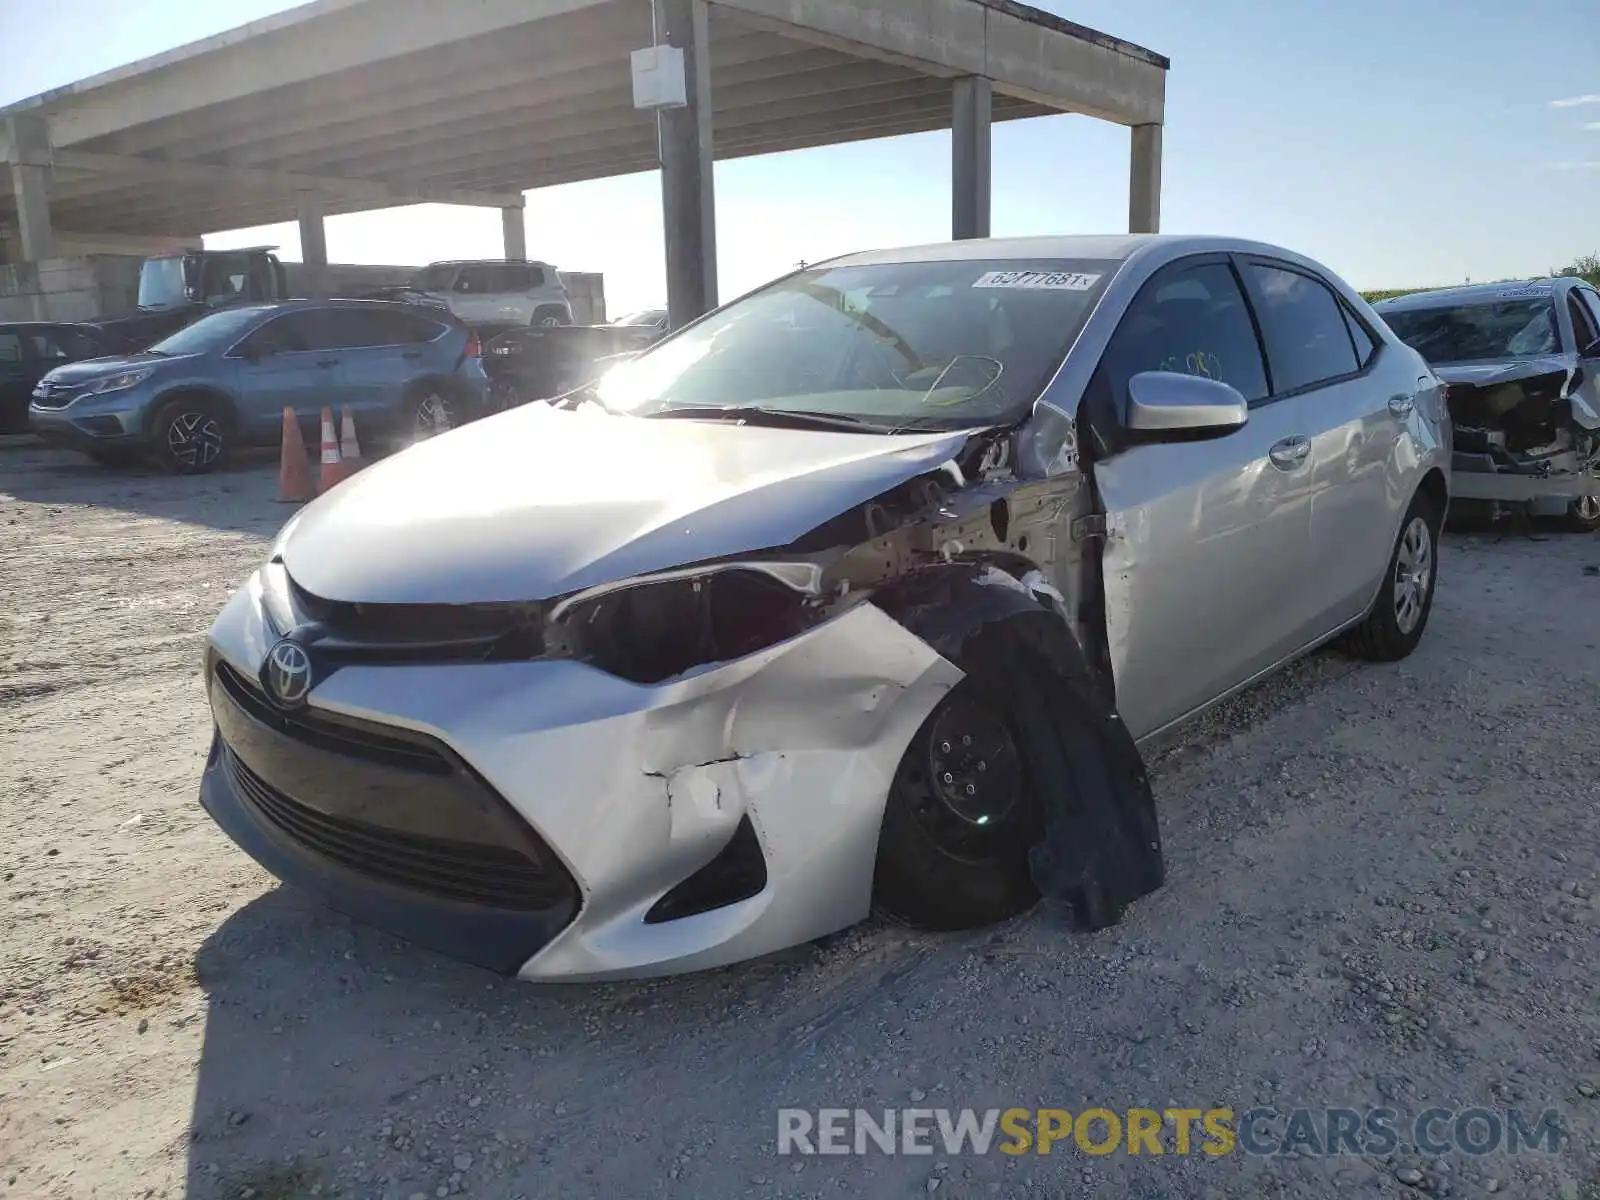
x=539 y=502
x=1489 y=374
x=90 y=369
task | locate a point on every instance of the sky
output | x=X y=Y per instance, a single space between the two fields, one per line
x=1403 y=144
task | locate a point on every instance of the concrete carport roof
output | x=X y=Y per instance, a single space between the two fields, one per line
x=345 y=105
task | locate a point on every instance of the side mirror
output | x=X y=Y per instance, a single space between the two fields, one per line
x=1164 y=404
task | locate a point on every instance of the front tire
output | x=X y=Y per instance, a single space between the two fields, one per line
x=189 y=437
x=1395 y=625
x=953 y=850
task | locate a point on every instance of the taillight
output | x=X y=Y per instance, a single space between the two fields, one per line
x=474 y=345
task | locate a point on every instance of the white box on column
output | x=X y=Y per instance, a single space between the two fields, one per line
x=659 y=78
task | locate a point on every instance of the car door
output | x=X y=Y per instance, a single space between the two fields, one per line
x=383 y=352
x=17 y=380
x=1584 y=309
x=1207 y=538
x=287 y=363
x=1354 y=411
x=472 y=295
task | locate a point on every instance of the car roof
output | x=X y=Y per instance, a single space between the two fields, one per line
x=1467 y=295
x=491 y=262
x=1104 y=247
x=304 y=303
x=19 y=325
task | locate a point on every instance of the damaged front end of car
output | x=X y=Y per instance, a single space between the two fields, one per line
x=1524 y=431
x=702 y=755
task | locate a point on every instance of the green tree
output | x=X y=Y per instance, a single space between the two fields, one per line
x=1585 y=267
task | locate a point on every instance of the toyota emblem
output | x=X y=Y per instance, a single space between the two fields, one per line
x=288 y=673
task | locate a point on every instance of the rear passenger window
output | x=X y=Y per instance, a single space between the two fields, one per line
x=1307 y=332
x=10 y=348
x=520 y=277
x=407 y=330
x=1365 y=346
x=1191 y=320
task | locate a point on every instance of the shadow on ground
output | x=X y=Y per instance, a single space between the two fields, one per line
x=335 y=1055
x=240 y=497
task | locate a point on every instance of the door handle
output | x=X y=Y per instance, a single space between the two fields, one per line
x=1402 y=405
x=1289 y=453
x=327 y=362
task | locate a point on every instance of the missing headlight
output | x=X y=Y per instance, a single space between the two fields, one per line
x=654 y=630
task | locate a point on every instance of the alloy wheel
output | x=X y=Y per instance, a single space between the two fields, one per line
x=1413 y=574
x=194 y=439
x=1587 y=508
x=434 y=416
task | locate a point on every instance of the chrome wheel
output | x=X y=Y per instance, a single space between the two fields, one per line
x=194 y=440
x=1413 y=574
x=548 y=322
x=1587 y=508
x=433 y=416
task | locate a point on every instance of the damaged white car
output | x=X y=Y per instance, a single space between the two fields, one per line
x=1523 y=364
x=864 y=587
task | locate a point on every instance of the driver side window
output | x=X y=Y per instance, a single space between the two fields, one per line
x=1191 y=320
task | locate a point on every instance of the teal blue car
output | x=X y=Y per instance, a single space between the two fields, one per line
x=223 y=382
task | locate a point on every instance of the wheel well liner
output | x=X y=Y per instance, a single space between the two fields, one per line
x=1101 y=845
x=216 y=401
x=1436 y=489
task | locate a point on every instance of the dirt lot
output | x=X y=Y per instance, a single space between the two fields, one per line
x=1382 y=891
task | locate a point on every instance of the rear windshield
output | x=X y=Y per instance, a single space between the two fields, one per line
x=1479 y=332
x=927 y=345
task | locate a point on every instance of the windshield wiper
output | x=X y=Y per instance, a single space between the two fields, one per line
x=745 y=414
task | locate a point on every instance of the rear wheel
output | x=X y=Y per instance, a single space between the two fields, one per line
x=1583 y=514
x=430 y=412
x=189 y=437
x=1394 y=627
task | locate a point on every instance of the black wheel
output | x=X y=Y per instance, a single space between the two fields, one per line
x=1394 y=627
x=1583 y=514
x=953 y=852
x=188 y=437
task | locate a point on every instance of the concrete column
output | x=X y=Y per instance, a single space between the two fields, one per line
x=688 y=197
x=1144 y=180
x=30 y=184
x=973 y=103
x=313 y=237
x=514 y=230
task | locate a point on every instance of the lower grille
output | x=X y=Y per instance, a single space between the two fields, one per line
x=495 y=876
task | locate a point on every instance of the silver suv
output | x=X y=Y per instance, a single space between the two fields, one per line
x=498 y=291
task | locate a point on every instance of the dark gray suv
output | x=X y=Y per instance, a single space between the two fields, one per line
x=225 y=380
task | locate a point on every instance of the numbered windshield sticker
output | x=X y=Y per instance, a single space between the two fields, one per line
x=1043 y=281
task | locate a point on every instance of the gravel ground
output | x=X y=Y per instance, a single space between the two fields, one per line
x=1382 y=891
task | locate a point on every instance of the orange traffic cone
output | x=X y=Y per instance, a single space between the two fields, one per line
x=349 y=448
x=332 y=463
x=294 y=470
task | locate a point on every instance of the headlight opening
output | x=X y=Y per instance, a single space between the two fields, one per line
x=654 y=631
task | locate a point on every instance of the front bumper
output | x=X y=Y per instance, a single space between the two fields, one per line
x=631 y=789
x=87 y=425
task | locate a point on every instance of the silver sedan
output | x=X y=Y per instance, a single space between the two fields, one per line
x=867 y=587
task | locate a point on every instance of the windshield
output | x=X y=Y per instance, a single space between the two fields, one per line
x=930 y=345
x=217 y=331
x=161 y=283
x=1479 y=332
